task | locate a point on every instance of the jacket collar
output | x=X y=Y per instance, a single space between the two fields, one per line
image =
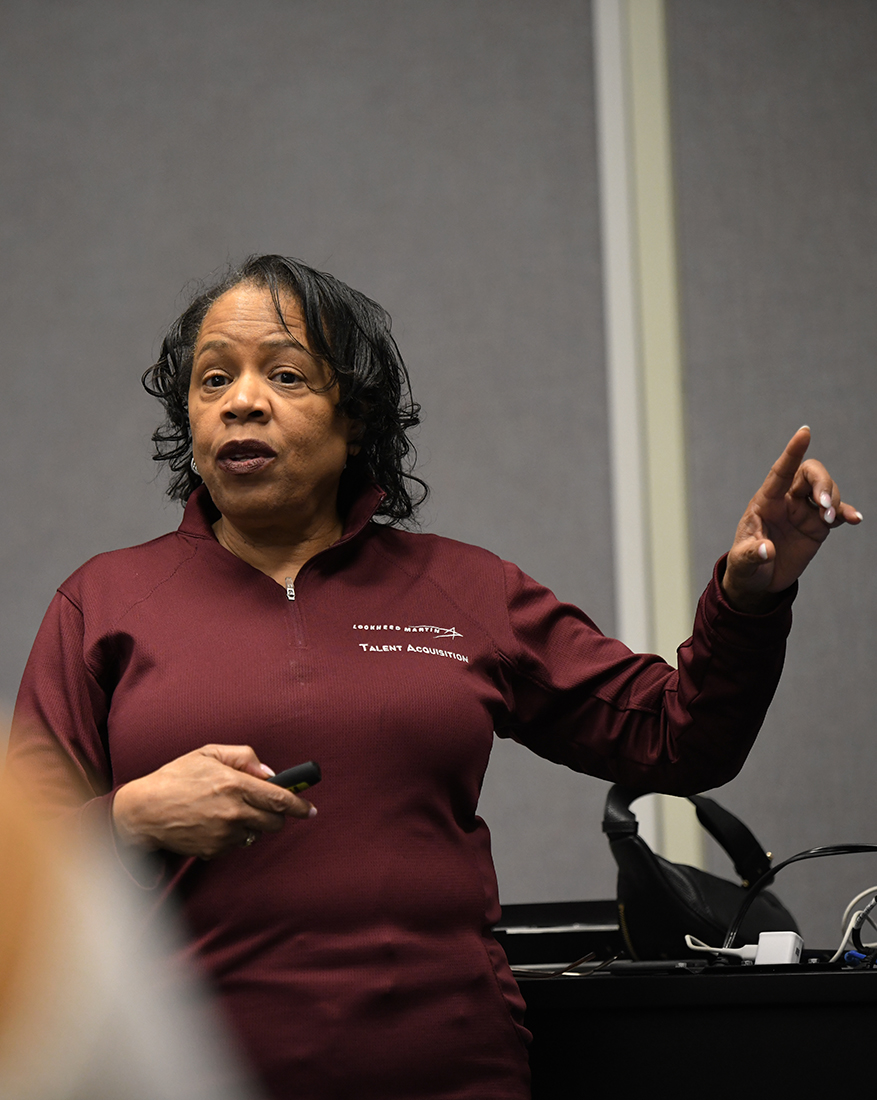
x=201 y=513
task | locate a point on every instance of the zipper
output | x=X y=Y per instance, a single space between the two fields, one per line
x=297 y=625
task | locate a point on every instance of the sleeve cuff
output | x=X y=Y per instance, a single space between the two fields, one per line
x=96 y=825
x=739 y=627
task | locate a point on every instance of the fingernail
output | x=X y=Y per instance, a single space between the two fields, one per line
x=829 y=515
x=267 y=770
x=825 y=500
x=803 y=426
x=859 y=514
x=762 y=551
x=312 y=812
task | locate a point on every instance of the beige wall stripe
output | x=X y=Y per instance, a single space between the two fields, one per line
x=650 y=502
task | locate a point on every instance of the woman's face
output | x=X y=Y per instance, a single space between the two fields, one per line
x=269 y=448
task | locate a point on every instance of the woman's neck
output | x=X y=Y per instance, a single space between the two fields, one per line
x=278 y=552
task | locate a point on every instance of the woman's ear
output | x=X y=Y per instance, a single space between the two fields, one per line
x=355 y=432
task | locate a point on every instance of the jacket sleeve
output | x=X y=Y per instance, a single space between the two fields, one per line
x=58 y=744
x=586 y=701
x=59 y=726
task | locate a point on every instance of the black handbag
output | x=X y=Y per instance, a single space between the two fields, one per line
x=660 y=902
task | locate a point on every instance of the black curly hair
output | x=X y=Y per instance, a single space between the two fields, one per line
x=351 y=334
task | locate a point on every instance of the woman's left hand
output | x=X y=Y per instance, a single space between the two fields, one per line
x=784 y=525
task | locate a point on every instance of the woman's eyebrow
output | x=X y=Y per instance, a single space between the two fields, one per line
x=284 y=342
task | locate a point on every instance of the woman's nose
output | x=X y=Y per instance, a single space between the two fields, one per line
x=246 y=400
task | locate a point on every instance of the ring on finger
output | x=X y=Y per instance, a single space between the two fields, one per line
x=249 y=839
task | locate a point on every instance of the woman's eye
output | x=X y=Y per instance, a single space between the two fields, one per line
x=287 y=377
x=214 y=381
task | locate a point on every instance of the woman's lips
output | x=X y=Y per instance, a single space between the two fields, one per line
x=245 y=456
x=250 y=465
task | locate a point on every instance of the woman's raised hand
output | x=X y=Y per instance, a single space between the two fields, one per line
x=784 y=525
x=204 y=803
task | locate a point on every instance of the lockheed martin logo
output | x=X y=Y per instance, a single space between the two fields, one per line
x=423 y=628
x=436 y=631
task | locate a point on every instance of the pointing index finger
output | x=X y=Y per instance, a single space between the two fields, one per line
x=782 y=473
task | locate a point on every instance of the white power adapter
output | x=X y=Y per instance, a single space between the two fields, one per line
x=775 y=948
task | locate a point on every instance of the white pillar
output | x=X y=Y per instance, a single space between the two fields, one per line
x=643 y=359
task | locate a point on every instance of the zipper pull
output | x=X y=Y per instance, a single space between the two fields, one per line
x=290 y=589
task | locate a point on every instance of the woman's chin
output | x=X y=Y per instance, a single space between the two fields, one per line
x=258 y=502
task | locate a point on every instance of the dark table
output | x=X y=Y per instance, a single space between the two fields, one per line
x=742 y=1032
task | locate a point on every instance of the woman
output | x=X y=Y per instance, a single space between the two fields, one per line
x=352 y=950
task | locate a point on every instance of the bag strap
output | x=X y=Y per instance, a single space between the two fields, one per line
x=748 y=856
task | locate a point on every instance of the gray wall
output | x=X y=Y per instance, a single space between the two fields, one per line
x=440 y=155
x=776 y=156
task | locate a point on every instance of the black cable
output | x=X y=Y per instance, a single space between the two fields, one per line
x=811 y=853
x=520 y=972
x=867 y=963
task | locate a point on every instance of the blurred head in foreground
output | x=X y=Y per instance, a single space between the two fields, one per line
x=89 y=1007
